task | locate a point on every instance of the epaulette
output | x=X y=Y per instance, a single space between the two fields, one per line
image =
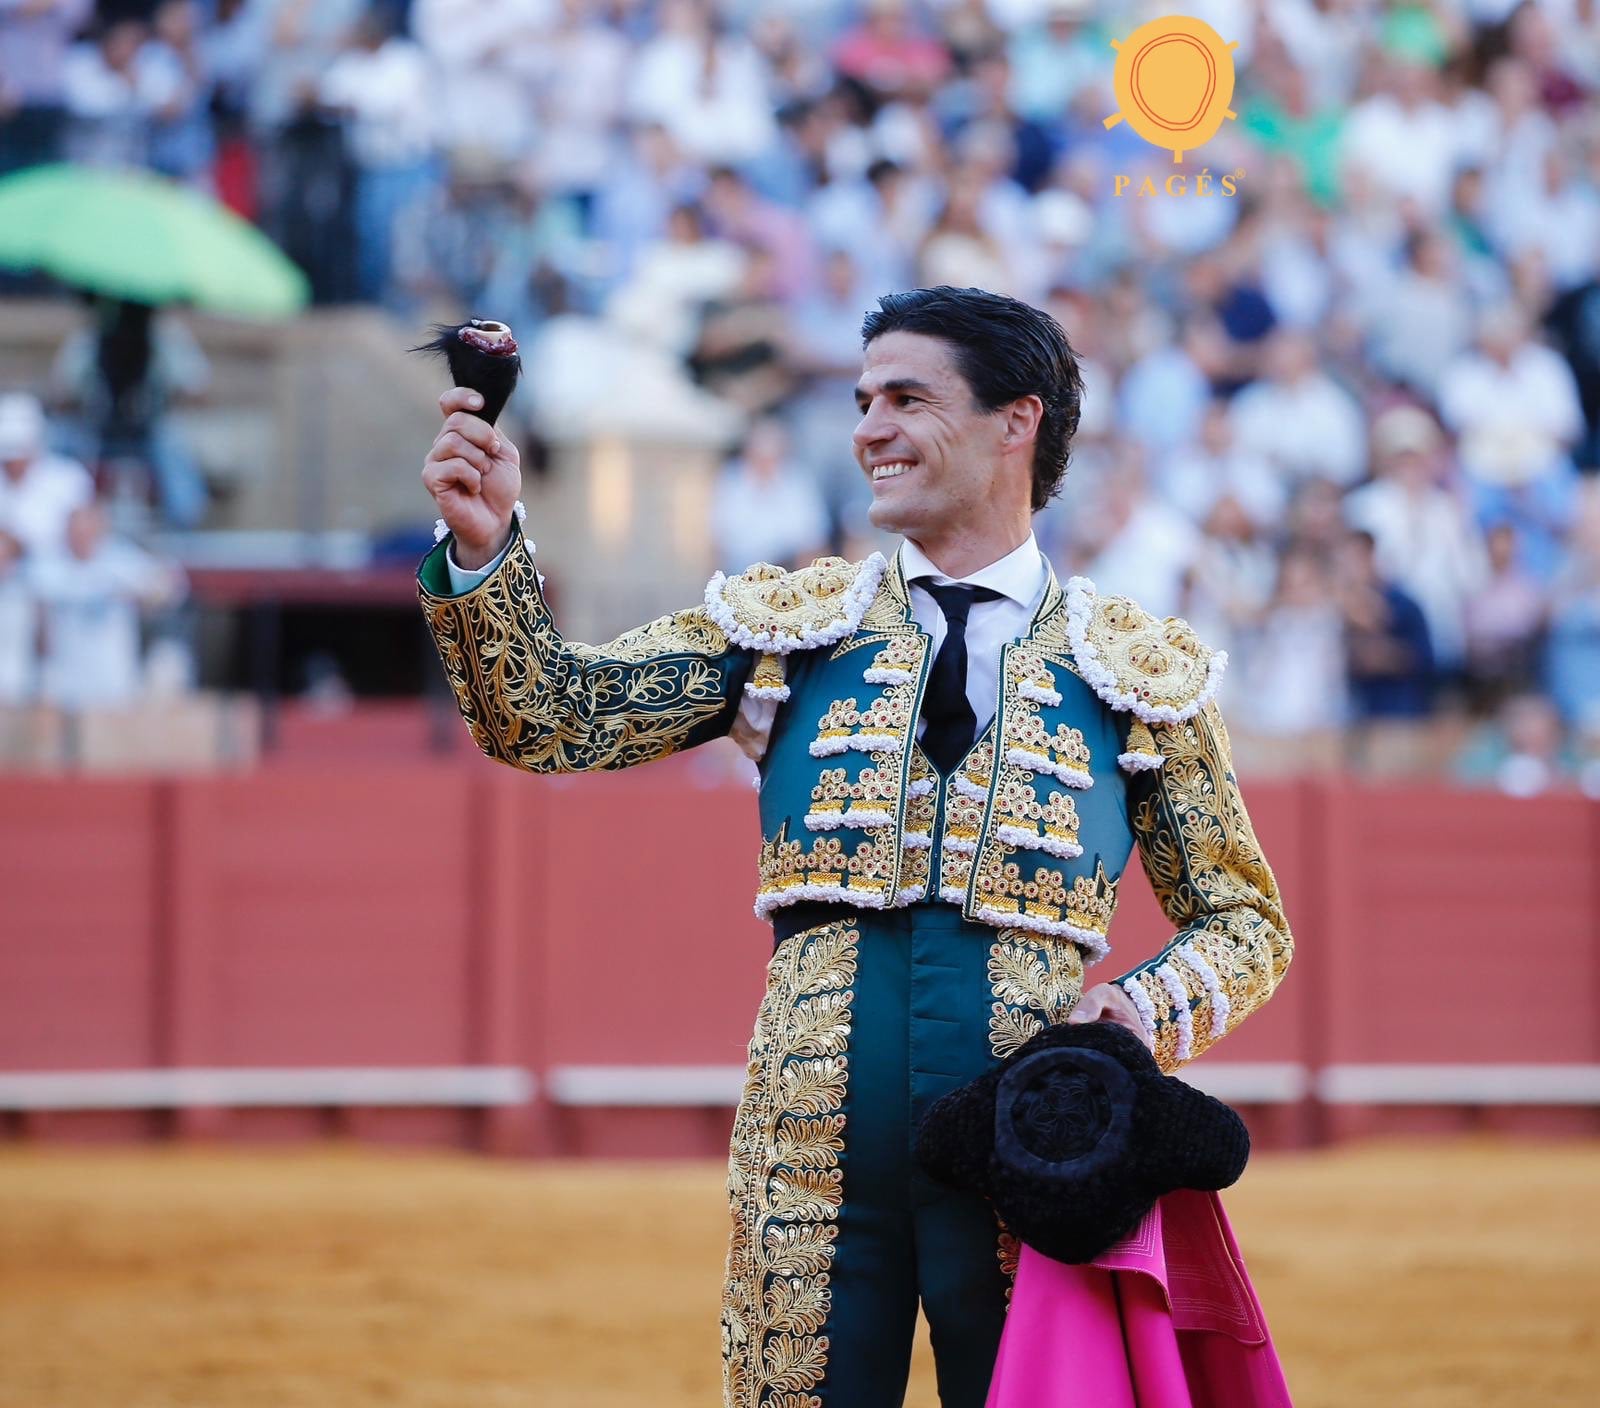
x=776 y=611
x=1156 y=669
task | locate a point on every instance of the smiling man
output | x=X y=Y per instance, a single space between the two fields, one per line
x=958 y=755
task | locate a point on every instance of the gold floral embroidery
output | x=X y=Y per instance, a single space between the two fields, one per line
x=1029 y=816
x=770 y=607
x=1200 y=851
x=784 y=1180
x=830 y=868
x=840 y=800
x=916 y=855
x=1060 y=752
x=1159 y=669
x=1021 y=819
x=545 y=704
x=965 y=797
x=898 y=661
x=1036 y=982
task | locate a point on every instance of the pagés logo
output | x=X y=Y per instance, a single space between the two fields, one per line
x=1173 y=80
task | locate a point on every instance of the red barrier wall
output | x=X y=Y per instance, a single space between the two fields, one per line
x=465 y=915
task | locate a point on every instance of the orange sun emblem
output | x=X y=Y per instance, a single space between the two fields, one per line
x=1174 y=81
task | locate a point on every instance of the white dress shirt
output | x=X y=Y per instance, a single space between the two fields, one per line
x=1019 y=577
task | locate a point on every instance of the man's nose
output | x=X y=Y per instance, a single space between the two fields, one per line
x=873 y=428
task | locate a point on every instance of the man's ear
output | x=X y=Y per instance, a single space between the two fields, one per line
x=1022 y=420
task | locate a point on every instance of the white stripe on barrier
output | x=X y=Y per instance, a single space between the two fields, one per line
x=1250 y=1082
x=1459 y=1085
x=181 y=1087
x=646 y=1085
x=1243 y=1082
x=1253 y=1082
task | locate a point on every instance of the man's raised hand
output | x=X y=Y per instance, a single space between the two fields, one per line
x=474 y=474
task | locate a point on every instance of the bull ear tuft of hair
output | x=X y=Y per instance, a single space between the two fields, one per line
x=492 y=374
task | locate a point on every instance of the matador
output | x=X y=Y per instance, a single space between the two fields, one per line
x=958 y=754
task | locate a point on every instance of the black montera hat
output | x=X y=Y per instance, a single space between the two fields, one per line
x=1076 y=1134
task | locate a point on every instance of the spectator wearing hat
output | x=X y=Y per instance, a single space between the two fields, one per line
x=1426 y=541
x=38 y=490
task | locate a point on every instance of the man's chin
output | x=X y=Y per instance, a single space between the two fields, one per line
x=890 y=517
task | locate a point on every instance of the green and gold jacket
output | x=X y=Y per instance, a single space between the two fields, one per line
x=1104 y=738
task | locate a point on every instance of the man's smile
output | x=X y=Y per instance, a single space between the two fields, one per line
x=890 y=469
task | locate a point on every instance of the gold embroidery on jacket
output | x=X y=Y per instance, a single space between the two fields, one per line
x=856 y=871
x=965 y=797
x=1033 y=811
x=539 y=702
x=1036 y=982
x=916 y=854
x=1205 y=865
x=784 y=1180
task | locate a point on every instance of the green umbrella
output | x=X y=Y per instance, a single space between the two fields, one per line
x=134 y=235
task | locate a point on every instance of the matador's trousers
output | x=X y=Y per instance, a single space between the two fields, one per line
x=838 y=1234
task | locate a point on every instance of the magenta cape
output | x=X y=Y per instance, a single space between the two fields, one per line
x=1167 y=1318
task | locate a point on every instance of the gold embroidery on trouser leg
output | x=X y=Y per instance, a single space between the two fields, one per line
x=1036 y=982
x=784 y=1179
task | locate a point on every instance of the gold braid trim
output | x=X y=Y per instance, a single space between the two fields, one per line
x=784 y=1180
x=545 y=704
x=1200 y=851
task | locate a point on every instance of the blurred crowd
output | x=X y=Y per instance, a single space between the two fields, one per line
x=1345 y=416
x=74 y=596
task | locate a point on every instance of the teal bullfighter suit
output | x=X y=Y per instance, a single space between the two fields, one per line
x=927 y=922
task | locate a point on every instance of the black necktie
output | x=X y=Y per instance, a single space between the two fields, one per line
x=951 y=722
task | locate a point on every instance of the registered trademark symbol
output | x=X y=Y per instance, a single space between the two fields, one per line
x=1238 y=175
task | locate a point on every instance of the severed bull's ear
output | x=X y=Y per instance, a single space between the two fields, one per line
x=481 y=355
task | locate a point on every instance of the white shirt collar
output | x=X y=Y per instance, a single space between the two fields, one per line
x=1018 y=575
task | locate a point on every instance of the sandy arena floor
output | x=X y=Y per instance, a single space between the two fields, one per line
x=1411 y=1276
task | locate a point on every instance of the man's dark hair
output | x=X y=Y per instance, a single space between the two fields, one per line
x=1004 y=349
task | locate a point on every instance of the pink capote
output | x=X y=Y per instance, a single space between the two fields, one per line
x=1167 y=1318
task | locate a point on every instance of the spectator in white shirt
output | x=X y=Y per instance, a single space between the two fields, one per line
x=381 y=83
x=1513 y=403
x=708 y=89
x=38 y=490
x=1424 y=537
x=1405 y=138
x=1290 y=678
x=765 y=509
x=1300 y=418
x=1135 y=543
x=1420 y=321
x=108 y=96
x=90 y=598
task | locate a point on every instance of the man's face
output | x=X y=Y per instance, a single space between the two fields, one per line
x=930 y=452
